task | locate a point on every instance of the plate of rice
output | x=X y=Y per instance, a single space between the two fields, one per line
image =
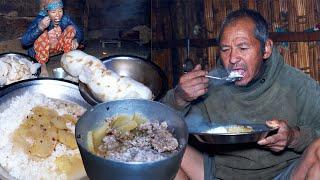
x=37 y=126
x=234 y=133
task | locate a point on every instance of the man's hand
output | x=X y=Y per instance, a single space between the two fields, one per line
x=191 y=86
x=74 y=44
x=309 y=165
x=286 y=136
x=44 y=23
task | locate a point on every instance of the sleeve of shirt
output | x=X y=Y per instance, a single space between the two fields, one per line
x=32 y=33
x=309 y=114
x=169 y=100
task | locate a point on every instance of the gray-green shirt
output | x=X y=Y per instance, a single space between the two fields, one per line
x=280 y=92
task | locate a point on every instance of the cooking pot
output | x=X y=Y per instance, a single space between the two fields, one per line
x=101 y=168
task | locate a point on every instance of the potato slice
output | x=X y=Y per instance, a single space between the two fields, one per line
x=35 y=138
x=41 y=130
x=59 y=123
x=123 y=123
x=43 y=147
x=67 y=139
x=120 y=120
x=52 y=133
x=72 y=166
x=30 y=121
x=98 y=134
x=90 y=142
x=44 y=115
x=139 y=119
x=45 y=111
x=130 y=125
x=20 y=140
x=68 y=118
x=34 y=132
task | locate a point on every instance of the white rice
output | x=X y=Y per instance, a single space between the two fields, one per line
x=217 y=130
x=15 y=161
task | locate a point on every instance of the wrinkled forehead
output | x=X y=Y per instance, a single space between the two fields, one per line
x=239 y=25
x=54 y=5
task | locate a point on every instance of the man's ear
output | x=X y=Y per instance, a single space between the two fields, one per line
x=267 y=49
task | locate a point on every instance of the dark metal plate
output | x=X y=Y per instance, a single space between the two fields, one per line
x=259 y=131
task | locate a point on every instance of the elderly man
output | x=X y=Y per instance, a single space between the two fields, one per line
x=270 y=91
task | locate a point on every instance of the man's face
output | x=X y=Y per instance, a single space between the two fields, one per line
x=240 y=50
x=55 y=15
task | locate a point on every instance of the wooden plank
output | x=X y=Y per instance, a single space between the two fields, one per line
x=275 y=36
x=199 y=43
x=19 y=8
x=13 y=27
x=13 y=45
x=295 y=36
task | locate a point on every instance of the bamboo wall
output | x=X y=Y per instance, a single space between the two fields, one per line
x=174 y=20
x=282 y=15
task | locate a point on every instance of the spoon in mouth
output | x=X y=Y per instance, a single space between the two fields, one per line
x=233 y=76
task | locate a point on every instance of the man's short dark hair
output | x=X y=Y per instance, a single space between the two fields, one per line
x=261 y=26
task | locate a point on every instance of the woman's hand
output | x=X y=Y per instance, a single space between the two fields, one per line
x=74 y=44
x=44 y=23
x=191 y=85
x=44 y=71
x=286 y=136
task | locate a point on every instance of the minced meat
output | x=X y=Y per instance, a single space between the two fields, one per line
x=150 y=141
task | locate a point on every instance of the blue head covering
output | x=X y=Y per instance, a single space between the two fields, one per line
x=54 y=5
x=51 y=6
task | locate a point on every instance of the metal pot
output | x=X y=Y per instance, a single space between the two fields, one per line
x=136 y=68
x=21 y=55
x=101 y=168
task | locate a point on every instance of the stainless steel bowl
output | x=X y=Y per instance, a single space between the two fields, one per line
x=100 y=168
x=21 y=55
x=259 y=131
x=52 y=88
x=138 y=69
x=59 y=73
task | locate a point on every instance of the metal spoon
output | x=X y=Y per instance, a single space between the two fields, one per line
x=229 y=78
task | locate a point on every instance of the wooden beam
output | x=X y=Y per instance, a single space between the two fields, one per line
x=275 y=36
x=200 y=43
x=295 y=36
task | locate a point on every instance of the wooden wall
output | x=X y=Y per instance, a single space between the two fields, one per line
x=173 y=20
x=15 y=16
x=169 y=25
x=107 y=19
